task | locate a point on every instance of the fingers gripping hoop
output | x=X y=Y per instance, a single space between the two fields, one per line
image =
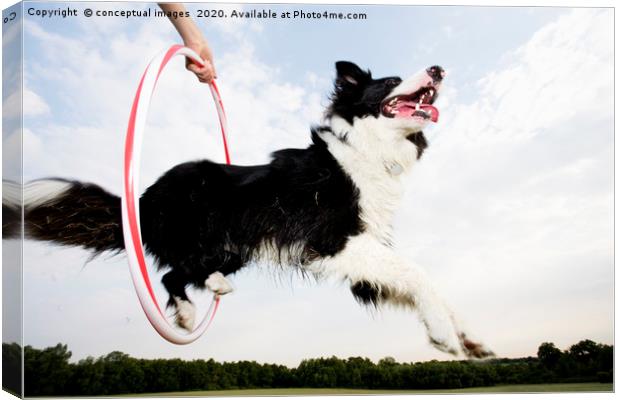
x=130 y=200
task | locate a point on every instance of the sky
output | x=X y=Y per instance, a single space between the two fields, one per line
x=510 y=210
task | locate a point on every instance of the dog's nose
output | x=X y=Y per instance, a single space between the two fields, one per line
x=436 y=72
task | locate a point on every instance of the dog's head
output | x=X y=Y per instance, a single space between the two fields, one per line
x=393 y=105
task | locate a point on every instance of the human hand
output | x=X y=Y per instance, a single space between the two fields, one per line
x=206 y=73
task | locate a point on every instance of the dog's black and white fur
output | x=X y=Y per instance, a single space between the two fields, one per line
x=327 y=209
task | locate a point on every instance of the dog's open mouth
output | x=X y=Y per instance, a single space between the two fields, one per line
x=418 y=104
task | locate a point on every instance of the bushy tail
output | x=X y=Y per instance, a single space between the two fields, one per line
x=65 y=212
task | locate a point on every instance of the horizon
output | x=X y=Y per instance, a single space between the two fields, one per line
x=387 y=357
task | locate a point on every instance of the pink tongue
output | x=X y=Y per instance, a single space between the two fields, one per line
x=407 y=111
x=431 y=110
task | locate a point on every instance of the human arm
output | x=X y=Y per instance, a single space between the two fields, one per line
x=192 y=38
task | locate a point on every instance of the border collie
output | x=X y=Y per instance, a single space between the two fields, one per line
x=326 y=209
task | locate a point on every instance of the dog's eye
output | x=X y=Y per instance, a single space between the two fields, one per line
x=392 y=82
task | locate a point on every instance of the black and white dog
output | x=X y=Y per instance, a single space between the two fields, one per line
x=327 y=209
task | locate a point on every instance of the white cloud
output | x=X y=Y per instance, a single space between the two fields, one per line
x=34 y=104
x=512 y=205
x=264 y=112
x=95 y=79
x=556 y=76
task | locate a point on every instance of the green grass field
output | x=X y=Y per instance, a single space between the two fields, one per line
x=555 y=387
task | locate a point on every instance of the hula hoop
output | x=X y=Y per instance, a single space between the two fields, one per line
x=131 y=198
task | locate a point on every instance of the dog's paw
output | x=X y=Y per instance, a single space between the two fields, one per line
x=218 y=284
x=442 y=335
x=473 y=349
x=185 y=315
x=447 y=344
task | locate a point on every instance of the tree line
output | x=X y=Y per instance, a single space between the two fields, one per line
x=48 y=372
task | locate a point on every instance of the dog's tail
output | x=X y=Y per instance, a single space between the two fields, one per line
x=69 y=213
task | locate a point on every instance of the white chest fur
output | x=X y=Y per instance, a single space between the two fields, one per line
x=375 y=159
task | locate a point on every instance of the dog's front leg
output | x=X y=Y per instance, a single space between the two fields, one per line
x=405 y=284
x=377 y=275
x=218 y=284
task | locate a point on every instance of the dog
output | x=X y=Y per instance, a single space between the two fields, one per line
x=326 y=209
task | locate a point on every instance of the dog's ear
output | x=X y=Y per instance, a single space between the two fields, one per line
x=350 y=74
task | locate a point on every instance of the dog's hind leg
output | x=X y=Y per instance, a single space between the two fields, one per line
x=199 y=272
x=185 y=315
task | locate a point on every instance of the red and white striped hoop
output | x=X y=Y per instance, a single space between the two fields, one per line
x=131 y=198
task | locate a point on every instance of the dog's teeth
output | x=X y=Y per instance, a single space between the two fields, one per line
x=417 y=106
